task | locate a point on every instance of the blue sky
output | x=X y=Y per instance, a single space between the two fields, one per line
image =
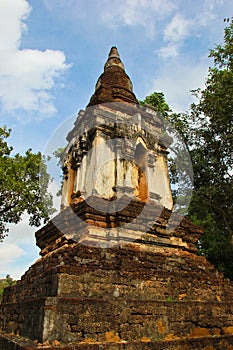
x=53 y=51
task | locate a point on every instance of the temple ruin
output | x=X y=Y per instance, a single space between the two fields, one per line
x=118 y=268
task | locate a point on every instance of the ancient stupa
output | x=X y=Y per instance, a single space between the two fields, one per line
x=118 y=269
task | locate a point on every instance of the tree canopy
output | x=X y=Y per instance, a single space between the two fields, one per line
x=5 y=282
x=207 y=131
x=23 y=186
x=212 y=203
x=157 y=100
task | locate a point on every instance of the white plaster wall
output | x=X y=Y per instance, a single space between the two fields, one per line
x=162 y=182
x=100 y=169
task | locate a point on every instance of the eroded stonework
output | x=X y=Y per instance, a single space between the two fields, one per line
x=114 y=84
x=116 y=149
x=152 y=290
x=118 y=268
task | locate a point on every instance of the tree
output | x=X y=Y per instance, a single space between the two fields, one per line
x=208 y=133
x=23 y=186
x=8 y=281
x=179 y=163
x=212 y=143
x=157 y=100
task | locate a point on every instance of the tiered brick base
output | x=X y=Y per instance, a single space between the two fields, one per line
x=202 y=343
x=133 y=296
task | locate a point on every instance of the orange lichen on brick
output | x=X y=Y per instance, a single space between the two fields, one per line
x=46 y=343
x=88 y=341
x=171 y=336
x=56 y=343
x=145 y=339
x=161 y=328
x=228 y=330
x=182 y=296
x=112 y=337
x=199 y=332
x=149 y=283
x=216 y=331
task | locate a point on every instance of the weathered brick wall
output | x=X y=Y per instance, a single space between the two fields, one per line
x=164 y=227
x=203 y=343
x=87 y=292
x=139 y=291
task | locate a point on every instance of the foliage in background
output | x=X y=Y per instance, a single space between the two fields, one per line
x=23 y=186
x=207 y=131
x=179 y=162
x=157 y=100
x=212 y=203
x=8 y=281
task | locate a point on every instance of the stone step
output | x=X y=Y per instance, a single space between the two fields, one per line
x=223 y=342
x=79 y=293
x=77 y=319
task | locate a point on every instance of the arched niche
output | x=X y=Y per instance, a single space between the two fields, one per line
x=139 y=171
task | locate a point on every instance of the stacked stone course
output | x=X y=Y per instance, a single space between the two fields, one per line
x=123 y=279
x=130 y=294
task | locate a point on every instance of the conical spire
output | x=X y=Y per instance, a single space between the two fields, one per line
x=113 y=59
x=114 y=85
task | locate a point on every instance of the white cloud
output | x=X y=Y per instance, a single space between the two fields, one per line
x=26 y=76
x=12 y=15
x=178 y=29
x=168 y=51
x=174 y=34
x=188 y=22
x=115 y=13
x=18 y=250
x=144 y=13
x=177 y=83
x=209 y=11
x=9 y=253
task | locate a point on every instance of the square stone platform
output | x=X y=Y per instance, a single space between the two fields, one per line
x=129 y=291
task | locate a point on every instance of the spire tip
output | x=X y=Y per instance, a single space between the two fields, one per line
x=114 y=59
